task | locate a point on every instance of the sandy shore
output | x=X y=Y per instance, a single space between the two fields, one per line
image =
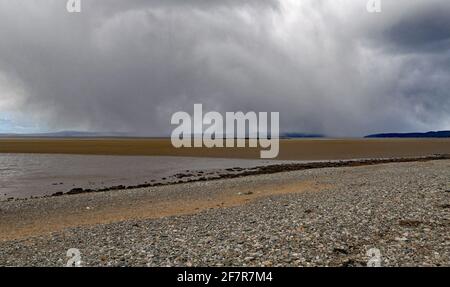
x=290 y=149
x=316 y=217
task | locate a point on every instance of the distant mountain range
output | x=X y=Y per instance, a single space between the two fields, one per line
x=438 y=134
x=68 y=134
x=301 y=135
x=78 y=134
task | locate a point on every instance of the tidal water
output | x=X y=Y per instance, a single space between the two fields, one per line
x=26 y=175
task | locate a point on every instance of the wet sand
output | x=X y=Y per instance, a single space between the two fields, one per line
x=290 y=149
x=41 y=216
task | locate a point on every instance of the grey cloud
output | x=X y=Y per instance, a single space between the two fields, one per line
x=128 y=65
x=427 y=30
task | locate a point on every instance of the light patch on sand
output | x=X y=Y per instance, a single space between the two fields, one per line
x=121 y=210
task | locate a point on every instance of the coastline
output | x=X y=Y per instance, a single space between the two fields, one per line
x=236 y=172
x=312 y=217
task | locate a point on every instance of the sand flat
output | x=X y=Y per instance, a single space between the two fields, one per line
x=290 y=149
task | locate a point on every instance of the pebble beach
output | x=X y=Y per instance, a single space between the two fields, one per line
x=314 y=217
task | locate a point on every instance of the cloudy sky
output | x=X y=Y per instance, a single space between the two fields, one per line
x=328 y=66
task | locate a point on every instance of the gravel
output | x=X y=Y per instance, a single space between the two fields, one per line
x=401 y=209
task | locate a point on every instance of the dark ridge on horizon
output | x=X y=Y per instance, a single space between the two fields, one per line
x=431 y=134
x=81 y=134
x=66 y=134
x=301 y=135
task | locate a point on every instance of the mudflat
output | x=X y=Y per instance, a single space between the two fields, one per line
x=290 y=149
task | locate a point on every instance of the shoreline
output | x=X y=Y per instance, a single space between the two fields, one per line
x=237 y=172
x=311 y=217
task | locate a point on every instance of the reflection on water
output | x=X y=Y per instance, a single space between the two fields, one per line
x=25 y=175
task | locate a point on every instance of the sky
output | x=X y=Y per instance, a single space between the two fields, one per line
x=327 y=66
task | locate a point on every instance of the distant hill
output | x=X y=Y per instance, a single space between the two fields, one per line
x=67 y=134
x=438 y=134
x=301 y=135
x=78 y=134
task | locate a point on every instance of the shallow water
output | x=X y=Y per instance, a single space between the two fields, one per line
x=26 y=175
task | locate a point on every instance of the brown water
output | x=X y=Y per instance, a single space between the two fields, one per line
x=26 y=175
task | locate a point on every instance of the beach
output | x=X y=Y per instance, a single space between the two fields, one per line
x=327 y=216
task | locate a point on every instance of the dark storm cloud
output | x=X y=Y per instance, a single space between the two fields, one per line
x=427 y=30
x=326 y=66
